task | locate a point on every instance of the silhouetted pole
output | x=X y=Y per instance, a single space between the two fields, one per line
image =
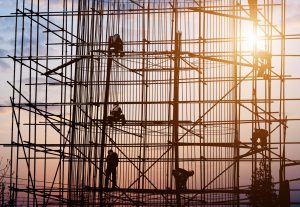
x=176 y=108
x=106 y=98
x=2 y=192
x=71 y=175
x=284 y=187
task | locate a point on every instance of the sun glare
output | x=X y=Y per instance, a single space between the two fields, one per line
x=251 y=40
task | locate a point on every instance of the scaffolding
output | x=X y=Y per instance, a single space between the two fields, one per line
x=197 y=82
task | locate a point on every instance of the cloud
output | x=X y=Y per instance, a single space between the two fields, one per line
x=7 y=4
x=293 y=15
x=56 y=4
x=3 y=52
x=39 y=80
x=6 y=35
x=4 y=66
x=4 y=109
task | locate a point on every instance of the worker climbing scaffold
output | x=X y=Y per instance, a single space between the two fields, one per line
x=261 y=135
x=181 y=176
x=265 y=60
x=115 y=44
x=116 y=115
x=111 y=170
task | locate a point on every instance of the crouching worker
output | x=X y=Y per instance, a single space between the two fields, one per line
x=115 y=44
x=111 y=169
x=181 y=176
x=261 y=135
x=116 y=115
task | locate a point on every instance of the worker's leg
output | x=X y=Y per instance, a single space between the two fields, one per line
x=107 y=175
x=254 y=141
x=114 y=177
x=116 y=52
x=184 y=181
x=263 y=142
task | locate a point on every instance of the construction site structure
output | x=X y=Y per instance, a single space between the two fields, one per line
x=201 y=91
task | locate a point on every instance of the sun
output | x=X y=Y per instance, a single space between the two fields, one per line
x=251 y=39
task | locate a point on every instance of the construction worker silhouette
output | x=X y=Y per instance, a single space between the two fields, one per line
x=116 y=115
x=262 y=135
x=115 y=44
x=265 y=58
x=181 y=176
x=111 y=169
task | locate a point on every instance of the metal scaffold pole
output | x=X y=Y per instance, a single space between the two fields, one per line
x=176 y=110
x=104 y=124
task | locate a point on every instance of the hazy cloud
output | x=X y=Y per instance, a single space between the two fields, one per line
x=4 y=109
x=3 y=52
x=293 y=15
x=39 y=80
x=4 y=106
x=4 y=65
x=7 y=4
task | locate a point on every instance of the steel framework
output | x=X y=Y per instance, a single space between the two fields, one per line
x=191 y=87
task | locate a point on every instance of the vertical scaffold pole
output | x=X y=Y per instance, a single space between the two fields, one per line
x=103 y=134
x=176 y=108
